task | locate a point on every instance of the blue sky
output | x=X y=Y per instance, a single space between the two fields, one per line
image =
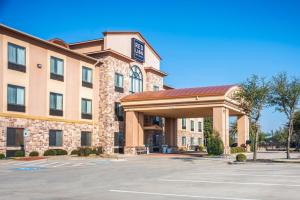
x=201 y=42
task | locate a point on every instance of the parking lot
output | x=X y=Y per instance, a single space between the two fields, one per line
x=148 y=178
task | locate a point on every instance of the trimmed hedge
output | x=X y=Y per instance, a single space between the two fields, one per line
x=241 y=157
x=19 y=153
x=215 y=145
x=50 y=152
x=84 y=151
x=237 y=150
x=2 y=156
x=75 y=152
x=34 y=153
x=61 y=152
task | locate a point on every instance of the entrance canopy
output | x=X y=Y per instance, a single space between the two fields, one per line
x=216 y=102
x=188 y=102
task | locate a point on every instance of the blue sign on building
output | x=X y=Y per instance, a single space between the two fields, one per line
x=137 y=50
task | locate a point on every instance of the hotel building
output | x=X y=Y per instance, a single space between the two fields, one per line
x=58 y=95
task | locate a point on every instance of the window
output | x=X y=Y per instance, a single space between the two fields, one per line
x=15 y=98
x=55 y=138
x=136 y=79
x=183 y=141
x=15 y=137
x=56 y=104
x=87 y=80
x=192 y=125
x=183 y=123
x=192 y=141
x=119 y=111
x=118 y=142
x=16 y=57
x=86 y=138
x=199 y=141
x=56 y=69
x=155 y=88
x=199 y=126
x=86 y=109
x=119 y=82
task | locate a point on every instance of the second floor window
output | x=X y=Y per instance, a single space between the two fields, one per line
x=136 y=79
x=15 y=98
x=119 y=111
x=183 y=123
x=16 y=57
x=155 y=88
x=199 y=126
x=57 y=69
x=86 y=109
x=56 y=104
x=192 y=125
x=87 y=80
x=119 y=79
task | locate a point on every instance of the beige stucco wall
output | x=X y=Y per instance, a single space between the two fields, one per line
x=188 y=133
x=1 y=72
x=87 y=47
x=38 y=84
x=122 y=44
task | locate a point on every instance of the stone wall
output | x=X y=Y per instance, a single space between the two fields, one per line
x=154 y=80
x=38 y=139
x=108 y=123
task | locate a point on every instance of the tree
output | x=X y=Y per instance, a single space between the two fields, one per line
x=285 y=94
x=208 y=129
x=252 y=97
x=296 y=134
x=232 y=132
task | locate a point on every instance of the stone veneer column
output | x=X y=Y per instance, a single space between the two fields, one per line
x=221 y=125
x=171 y=131
x=242 y=129
x=134 y=131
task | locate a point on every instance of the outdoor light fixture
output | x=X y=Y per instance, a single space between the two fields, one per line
x=39 y=66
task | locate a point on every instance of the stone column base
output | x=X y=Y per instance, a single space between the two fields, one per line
x=130 y=150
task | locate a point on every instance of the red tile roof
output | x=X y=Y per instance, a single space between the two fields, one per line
x=179 y=93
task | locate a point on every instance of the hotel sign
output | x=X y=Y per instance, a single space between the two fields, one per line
x=137 y=50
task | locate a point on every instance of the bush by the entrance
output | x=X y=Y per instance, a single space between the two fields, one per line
x=237 y=150
x=241 y=157
x=50 y=152
x=34 y=153
x=19 y=154
x=215 y=145
x=2 y=156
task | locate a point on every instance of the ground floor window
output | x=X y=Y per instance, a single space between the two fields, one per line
x=15 y=137
x=192 y=141
x=86 y=138
x=199 y=141
x=55 y=138
x=118 y=142
x=183 y=141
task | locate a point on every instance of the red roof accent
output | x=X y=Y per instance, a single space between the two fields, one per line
x=179 y=93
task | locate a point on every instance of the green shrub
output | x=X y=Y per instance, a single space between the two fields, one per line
x=74 y=152
x=34 y=153
x=20 y=154
x=50 y=152
x=215 y=145
x=2 y=156
x=61 y=152
x=241 y=157
x=84 y=151
x=237 y=150
x=201 y=148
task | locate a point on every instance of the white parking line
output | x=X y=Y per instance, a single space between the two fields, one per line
x=61 y=164
x=47 y=164
x=178 y=195
x=77 y=165
x=258 y=175
x=228 y=182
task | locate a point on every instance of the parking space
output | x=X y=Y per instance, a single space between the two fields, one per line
x=150 y=178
